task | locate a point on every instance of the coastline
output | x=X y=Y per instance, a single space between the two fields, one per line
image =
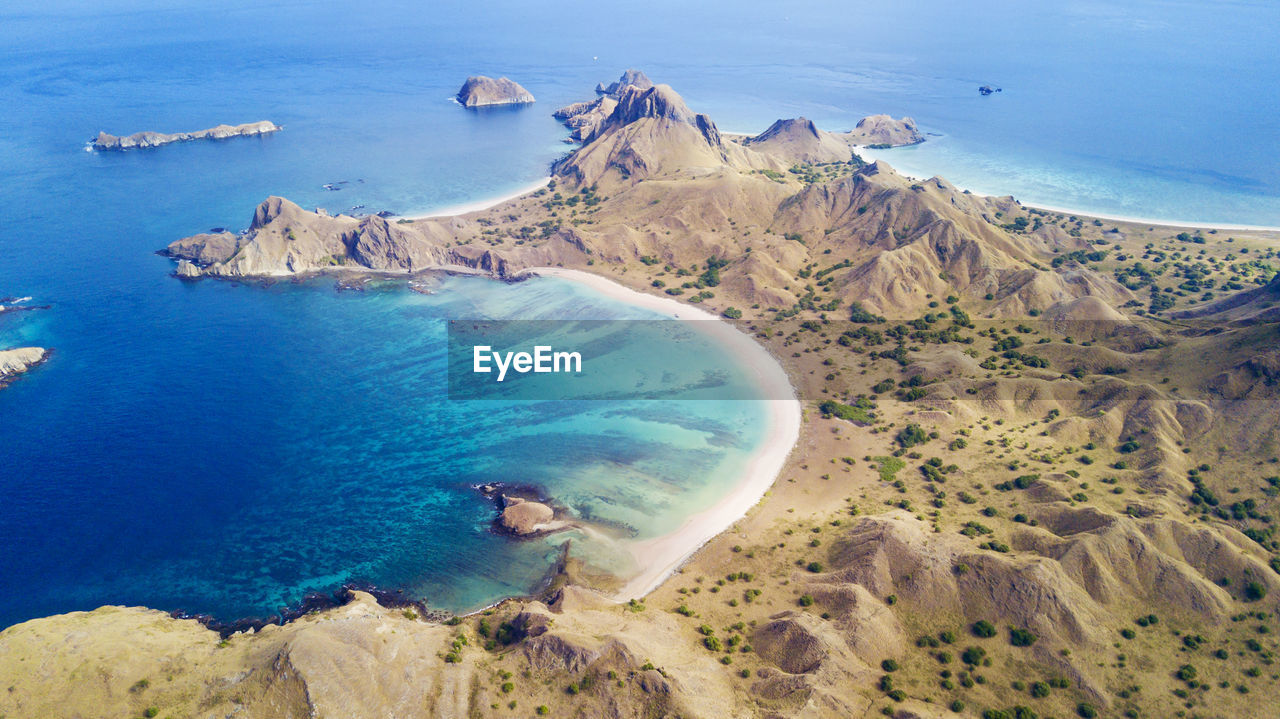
x=659 y=557
x=871 y=155
x=478 y=205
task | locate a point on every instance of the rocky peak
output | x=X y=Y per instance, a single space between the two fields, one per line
x=799 y=140
x=795 y=128
x=630 y=78
x=659 y=102
x=270 y=209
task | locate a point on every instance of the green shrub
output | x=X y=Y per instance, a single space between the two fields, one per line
x=911 y=435
x=1254 y=591
x=1021 y=638
x=983 y=628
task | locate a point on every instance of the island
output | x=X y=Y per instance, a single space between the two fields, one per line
x=481 y=91
x=14 y=362
x=105 y=141
x=1034 y=476
x=883 y=131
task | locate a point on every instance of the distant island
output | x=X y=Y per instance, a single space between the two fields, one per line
x=107 y=141
x=479 y=91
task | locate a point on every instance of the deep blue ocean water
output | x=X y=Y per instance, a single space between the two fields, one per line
x=226 y=448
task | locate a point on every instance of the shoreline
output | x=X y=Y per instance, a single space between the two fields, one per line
x=865 y=153
x=465 y=208
x=660 y=557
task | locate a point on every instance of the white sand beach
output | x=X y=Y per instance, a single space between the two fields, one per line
x=657 y=558
x=479 y=205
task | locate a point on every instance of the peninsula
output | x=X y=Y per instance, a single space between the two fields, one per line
x=105 y=141
x=480 y=91
x=1035 y=473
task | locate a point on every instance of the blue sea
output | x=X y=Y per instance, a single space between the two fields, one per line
x=227 y=448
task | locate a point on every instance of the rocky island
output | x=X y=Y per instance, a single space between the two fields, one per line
x=883 y=131
x=481 y=91
x=105 y=141
x=1023 y=487
x=13 y=362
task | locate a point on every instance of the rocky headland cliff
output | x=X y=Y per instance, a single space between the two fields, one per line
x=582 y=118
x=479 y=91
x=105 y=141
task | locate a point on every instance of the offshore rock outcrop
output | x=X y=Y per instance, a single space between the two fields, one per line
x=106 y=141
x=884 y=131
x=14 y=362
x=480 y=91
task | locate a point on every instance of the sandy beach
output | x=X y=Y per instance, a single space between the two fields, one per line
x=479 y=205
x=658 y=557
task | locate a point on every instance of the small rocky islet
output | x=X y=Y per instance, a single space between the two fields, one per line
x=148 y=139
x=482 y=91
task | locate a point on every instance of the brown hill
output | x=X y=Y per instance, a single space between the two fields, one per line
x=648 y=134
x=655 y=170
x=800 y=141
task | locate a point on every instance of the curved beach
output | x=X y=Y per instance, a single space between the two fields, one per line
x=658 y=557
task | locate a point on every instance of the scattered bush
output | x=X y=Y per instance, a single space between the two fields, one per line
x=983 y=628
